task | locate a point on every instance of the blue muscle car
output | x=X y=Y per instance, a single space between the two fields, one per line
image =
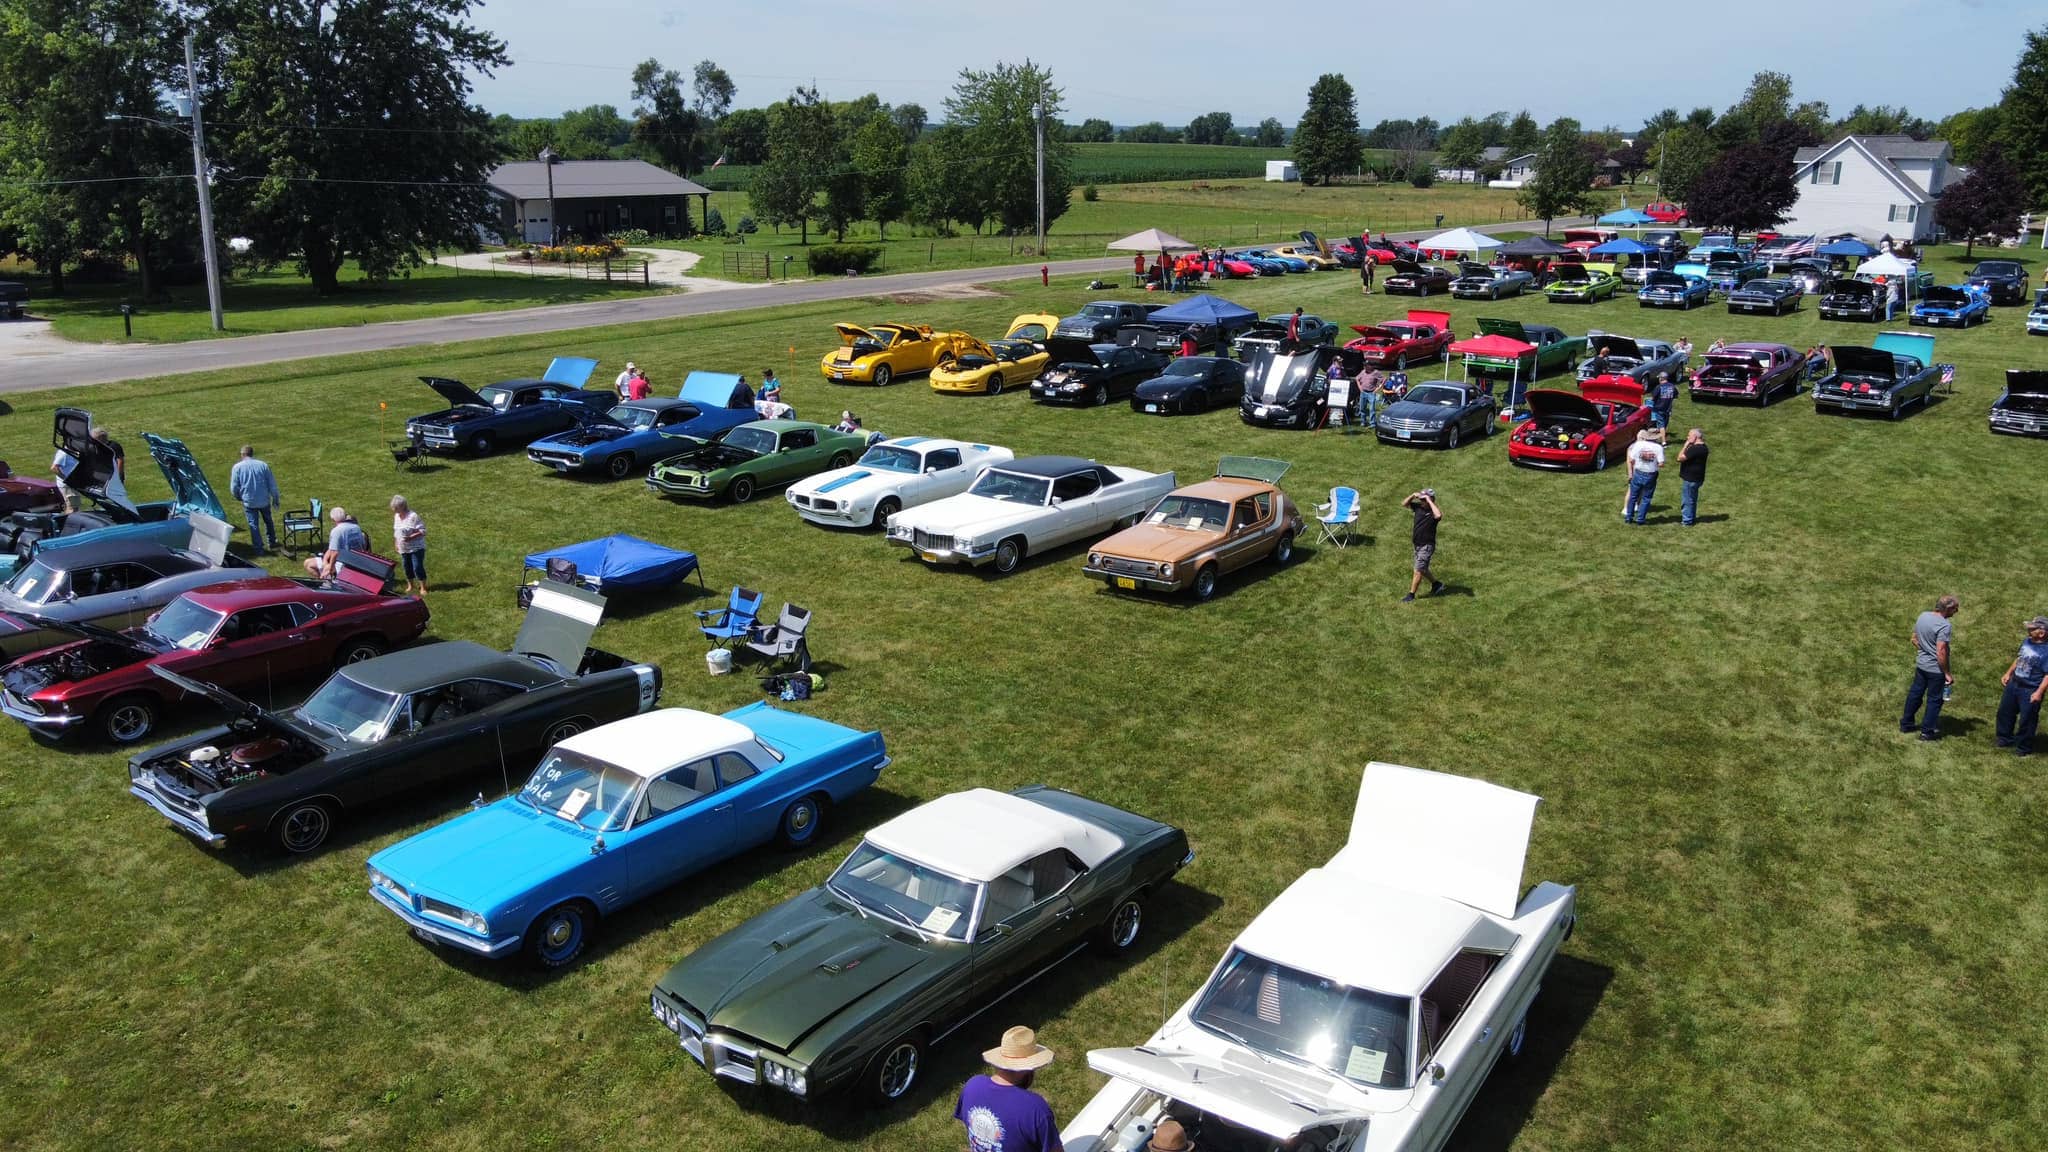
x=1672 y=290
x=636 y=434
x=1959 y=304
x=479 y=421
x=615 y=814
x=1286 y=263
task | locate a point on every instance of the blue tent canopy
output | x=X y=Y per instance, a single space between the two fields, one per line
x=1851 y=247
x=1204 y=308
x=622 y=563
x=1628 y=218
x=1622 y=246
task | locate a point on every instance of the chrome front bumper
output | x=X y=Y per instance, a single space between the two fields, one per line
x=179 y=820
x=946 y=555
x=436 y=933
x=38 y=721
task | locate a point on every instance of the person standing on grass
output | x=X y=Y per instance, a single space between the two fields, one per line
x=627 y=373
x=1294 y=325
x=1188 y=346
x=99 y=433
x=637 y=387
x=1423 y=537
x=1692 y=472
x=1365 y=268
x=1684 y=350
x=999 y=1110
x=2019 y=709
x=1645 y=459
x=410 y=532
x=344 y=536
x=61 y=466
x=1931 y=676
x=1138 y=267
x=253 y=483
x=1663 y=397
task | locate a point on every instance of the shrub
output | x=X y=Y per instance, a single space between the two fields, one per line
x=714 y=223
x=747 y=226
x=630 y=236
x=1421 y=177
x=1089 y=193
x=832 y=259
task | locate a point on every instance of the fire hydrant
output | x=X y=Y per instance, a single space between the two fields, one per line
x=1045 y=275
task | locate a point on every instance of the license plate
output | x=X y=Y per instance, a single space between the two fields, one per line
x=1403 y=433
x=933 y=557
x=1151 y=407
x=1126 y=582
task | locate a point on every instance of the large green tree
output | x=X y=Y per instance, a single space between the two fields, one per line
x=1270 y=133
x=1564 y=174
x=711 y=91
x=1210 y=128
x=879 y=155
x=1092 y=131
x=935 y=194
x=1987 y=202
x=1326 y=142
x=803 y=151
x=1680 y=156
x=2022 y=132
x=1461 y=144
x=994 y=109
x=1746 y=188
x=667 y=129
x=349 y=129
x=743 y=136
x=1523 y=135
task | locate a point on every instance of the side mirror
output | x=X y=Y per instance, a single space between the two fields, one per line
x=1435 y=1072
x=1057 y=501
x=597 y=848
x=931 y=468
x=998 y=931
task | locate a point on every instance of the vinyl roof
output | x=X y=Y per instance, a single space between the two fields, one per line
x=654 y=742
x=429 y=665
x=1050 y=466
x=981 y=834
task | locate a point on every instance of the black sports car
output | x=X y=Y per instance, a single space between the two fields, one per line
x=1775 y=296
x=1191 y=384
x=1874 y=380
x=1438 y=413
x=2022 y=409
x=412 y=719
x=1291 y=388
x=1852 y=300
x=2007 y=280
x=1412 y=279
x=1078 y=372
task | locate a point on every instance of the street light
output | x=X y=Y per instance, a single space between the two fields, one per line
x=547 y=159
x=198 y=135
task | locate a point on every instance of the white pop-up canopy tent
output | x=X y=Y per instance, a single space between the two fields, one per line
x=1151 y=240
x=1887 y=265
x=1460 y=240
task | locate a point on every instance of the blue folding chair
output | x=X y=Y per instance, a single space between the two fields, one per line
x=1337 y=517
x=733 y=622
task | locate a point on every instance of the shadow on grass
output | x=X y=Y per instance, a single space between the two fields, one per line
x=1572 y=991
x=635 y=605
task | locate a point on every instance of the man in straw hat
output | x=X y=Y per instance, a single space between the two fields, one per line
x=1001 y=1112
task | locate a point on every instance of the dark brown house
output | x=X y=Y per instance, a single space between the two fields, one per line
x=591 y=198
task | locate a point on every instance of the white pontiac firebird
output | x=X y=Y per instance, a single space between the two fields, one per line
x=1024 y=507
x=891 y=476
x=1362 y=1010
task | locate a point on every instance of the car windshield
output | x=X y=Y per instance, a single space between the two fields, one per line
x=584 y=791
x=355 y=712
x=1100 y=311
x=890 y=459
x=1009 y=486
x=759 y=441
x=1188 y=366
x=899 y=888
x=183 y=624
x=36 y=583
x=1436 y=396
x=631 y=417
x=1996 y=268
x=1191 y=513
x=496 y=397
x=1355 y=1033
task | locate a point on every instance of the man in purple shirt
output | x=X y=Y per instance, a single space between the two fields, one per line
x=1001 y=1112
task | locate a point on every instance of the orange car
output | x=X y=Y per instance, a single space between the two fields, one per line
x=1194 y=535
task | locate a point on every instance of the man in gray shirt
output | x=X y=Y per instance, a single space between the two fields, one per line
x=1931 y=676
x=346 y=535
x=253 y=483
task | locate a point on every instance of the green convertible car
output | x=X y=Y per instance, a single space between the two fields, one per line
x=1578 y=284
x=937 y=914
x=741 y=461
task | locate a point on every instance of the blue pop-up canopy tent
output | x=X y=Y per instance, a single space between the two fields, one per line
x=1622 y=246
x=622 y=563
x=1628 y=218
x=1205 y=308
x=1850 y=247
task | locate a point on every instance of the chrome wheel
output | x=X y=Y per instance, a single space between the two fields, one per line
x=995 y=384
x=1205 y=582
x=563 y=731
x=560 y=935
x=1009 y=554
x=1516 y=1037
x=1125 y=922
x=1284 y=551
x=800 y=822
x=884 y=377
x=358 y=651
x=130 y=720
x=304 y=828
x=898 y=1070
x=620 y=466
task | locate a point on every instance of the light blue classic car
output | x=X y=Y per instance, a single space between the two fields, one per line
x=113 y=515
x=1959 y=304
x=615 y=814
x=638 y=433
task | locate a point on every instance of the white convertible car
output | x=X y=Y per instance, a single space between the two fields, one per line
x=891 y=476
x=1362 y=1010
x=1026 y=506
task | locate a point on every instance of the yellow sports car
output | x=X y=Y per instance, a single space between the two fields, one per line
x=1316 y=260
x=987 y=369
x=879 y=353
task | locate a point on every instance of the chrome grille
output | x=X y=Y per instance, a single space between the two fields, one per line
x=21 y=702
x=1404 y=423
x=544 y=457
x=931 y=541
x=170 y=795
x=734 y=1060
x=445 y=911
x=1122 y=567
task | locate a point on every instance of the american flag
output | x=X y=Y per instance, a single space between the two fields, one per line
x=720 y=160
x=1948 y=374
x=1804 y=246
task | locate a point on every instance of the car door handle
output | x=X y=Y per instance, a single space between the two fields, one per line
x=1486 y=1034
x=295 y=636
x=1066 y=913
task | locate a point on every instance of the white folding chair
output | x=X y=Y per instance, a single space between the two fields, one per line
x=1337 y=517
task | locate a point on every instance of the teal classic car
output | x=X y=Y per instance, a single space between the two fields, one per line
x=1551 y=350
x=741 y=461
x=1579 y=284
x=936 y=914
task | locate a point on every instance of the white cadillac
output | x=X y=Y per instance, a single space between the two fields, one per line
x=1025 y=507
x=1362 y=1010
x=891 y=476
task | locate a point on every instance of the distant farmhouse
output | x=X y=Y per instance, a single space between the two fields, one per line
x=592 y=198
x=1872 y=186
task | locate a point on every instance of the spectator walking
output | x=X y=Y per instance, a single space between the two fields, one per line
x=999 y=1110
x=409 y=532
x=1663 y=397
x=1423 y=537
x=1931 y=676
x=2019 y=709
x=1294 y=325
x=1645 y=459
x=1692 y=472
x=345 y=535
x=61 y=466
x=627 y=373
x=253 y=483
x=1366 y=266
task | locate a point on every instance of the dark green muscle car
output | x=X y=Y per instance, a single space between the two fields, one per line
x=936 y=914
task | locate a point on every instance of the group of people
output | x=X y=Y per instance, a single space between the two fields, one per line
x=253 y=484
x=1646 y=461
x=631 y=384
x=2025 y=680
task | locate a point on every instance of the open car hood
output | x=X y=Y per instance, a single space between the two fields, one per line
x=455 y=392
x=1375 y=332
x=710 y=389
x=1253 y=468
x=559 y=625
x=1409 y=268
x=190 y=491
x=1475 y=835
x=1612 y=390
x=72 y=433
x=1068 y=350
x=209 y=537
x=32 y=622
x=1314 y=241
x=1278 y=1104
x=1137 y=336
x=1944 y=297
x=571 y=370
x=2026 y=382
x=1571 y=273
x=850 y=334
x=1863 y=361
x=234 y=705
x=1512 y=329
x=1617 y=346
x=1551 y=403
x=1032 y=326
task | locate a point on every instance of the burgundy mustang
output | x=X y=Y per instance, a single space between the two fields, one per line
x=1750 y=372
x=244 y=635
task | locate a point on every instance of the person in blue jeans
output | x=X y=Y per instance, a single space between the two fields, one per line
x=1692 y=472
x=252 y=482
x=1645 y=459
x=1663 y=395
x=1931 y=676
x=2019 y=709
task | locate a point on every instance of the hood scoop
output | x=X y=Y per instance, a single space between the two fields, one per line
x=849 y=959
x=790 y=940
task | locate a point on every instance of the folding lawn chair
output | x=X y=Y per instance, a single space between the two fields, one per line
x=303 y=526
x=1337 y=517
x=733 y=622
x=784 y=641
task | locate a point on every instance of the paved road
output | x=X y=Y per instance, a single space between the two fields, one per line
x=48 y=363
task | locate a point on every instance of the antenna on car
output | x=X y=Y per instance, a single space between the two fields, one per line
x=504 y=775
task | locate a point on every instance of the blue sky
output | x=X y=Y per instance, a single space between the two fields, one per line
x=1934 y=56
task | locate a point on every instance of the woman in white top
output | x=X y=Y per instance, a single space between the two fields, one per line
x=411 y=534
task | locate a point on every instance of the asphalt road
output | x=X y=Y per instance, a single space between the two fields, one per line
x=54 y=366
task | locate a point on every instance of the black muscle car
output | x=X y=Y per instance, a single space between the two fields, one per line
x=1269 y=334
x=1191 y=384
x=1412 y=279
x=1777 y=297
x=412 y=719
x=1852 y=300
x=479 y=421
x=1291 y=388
x=2022 y=409
x=1077 y=372
x=2007 y=280
x=1440 y=413
x=1874 y=380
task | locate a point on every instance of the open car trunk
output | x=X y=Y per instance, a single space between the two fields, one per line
x=1474 y=836
x=558 y=626
x=1270 y=1099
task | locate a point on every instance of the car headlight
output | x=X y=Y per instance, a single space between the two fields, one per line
x=792 y=1080
x=475 y=922
x=380 y=880
x=965 y=544
x=1166 y=570
x=1095 y=559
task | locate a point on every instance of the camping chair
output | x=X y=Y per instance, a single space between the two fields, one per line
x=1337 y=517
x=561 y=570
x=783 y=641
x=303 y=526
x=733 y=622
x=409 y=453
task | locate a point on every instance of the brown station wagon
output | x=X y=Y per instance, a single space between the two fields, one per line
x=1197 y=533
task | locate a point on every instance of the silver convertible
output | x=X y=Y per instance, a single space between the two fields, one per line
x=1638 y=359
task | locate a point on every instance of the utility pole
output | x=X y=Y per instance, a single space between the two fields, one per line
x=547 y=161
x=1038 y=119
x=205 y=192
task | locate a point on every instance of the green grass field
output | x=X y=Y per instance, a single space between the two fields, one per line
x=1108 y=164
x=1799 y=929
x=283 y=301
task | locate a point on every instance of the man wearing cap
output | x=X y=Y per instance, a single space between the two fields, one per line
x=1000 y=1111
x=619 y=381
x=2019 y=710
x=1931 y=675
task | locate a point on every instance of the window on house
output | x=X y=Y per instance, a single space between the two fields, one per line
x=1836 y=178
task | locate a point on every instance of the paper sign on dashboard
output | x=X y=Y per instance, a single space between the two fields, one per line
x=573 y=807
x=939 y=920
x=1365 y=1065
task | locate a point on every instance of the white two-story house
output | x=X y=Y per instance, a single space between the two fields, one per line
x=1871 y=185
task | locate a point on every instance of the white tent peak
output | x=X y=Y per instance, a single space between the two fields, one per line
x=1151 y=240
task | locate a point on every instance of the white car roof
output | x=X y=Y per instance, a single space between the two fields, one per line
x=653 y=742
x=1365 y=935
x=982 y=833
x=927 y=443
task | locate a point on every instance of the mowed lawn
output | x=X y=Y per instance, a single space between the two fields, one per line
x=1799 y=928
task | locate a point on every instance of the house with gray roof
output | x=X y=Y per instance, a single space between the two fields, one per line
x=1495 y=159
x=1873 y=186
x=570 y=200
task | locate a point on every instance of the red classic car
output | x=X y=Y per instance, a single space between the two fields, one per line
x=1749 y=372
x=1581 y=240
x=1664 y=212
x=1222 y=266
x=1582 y=430
x=1396 y=344
x=27 y=493
x=244 y=635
